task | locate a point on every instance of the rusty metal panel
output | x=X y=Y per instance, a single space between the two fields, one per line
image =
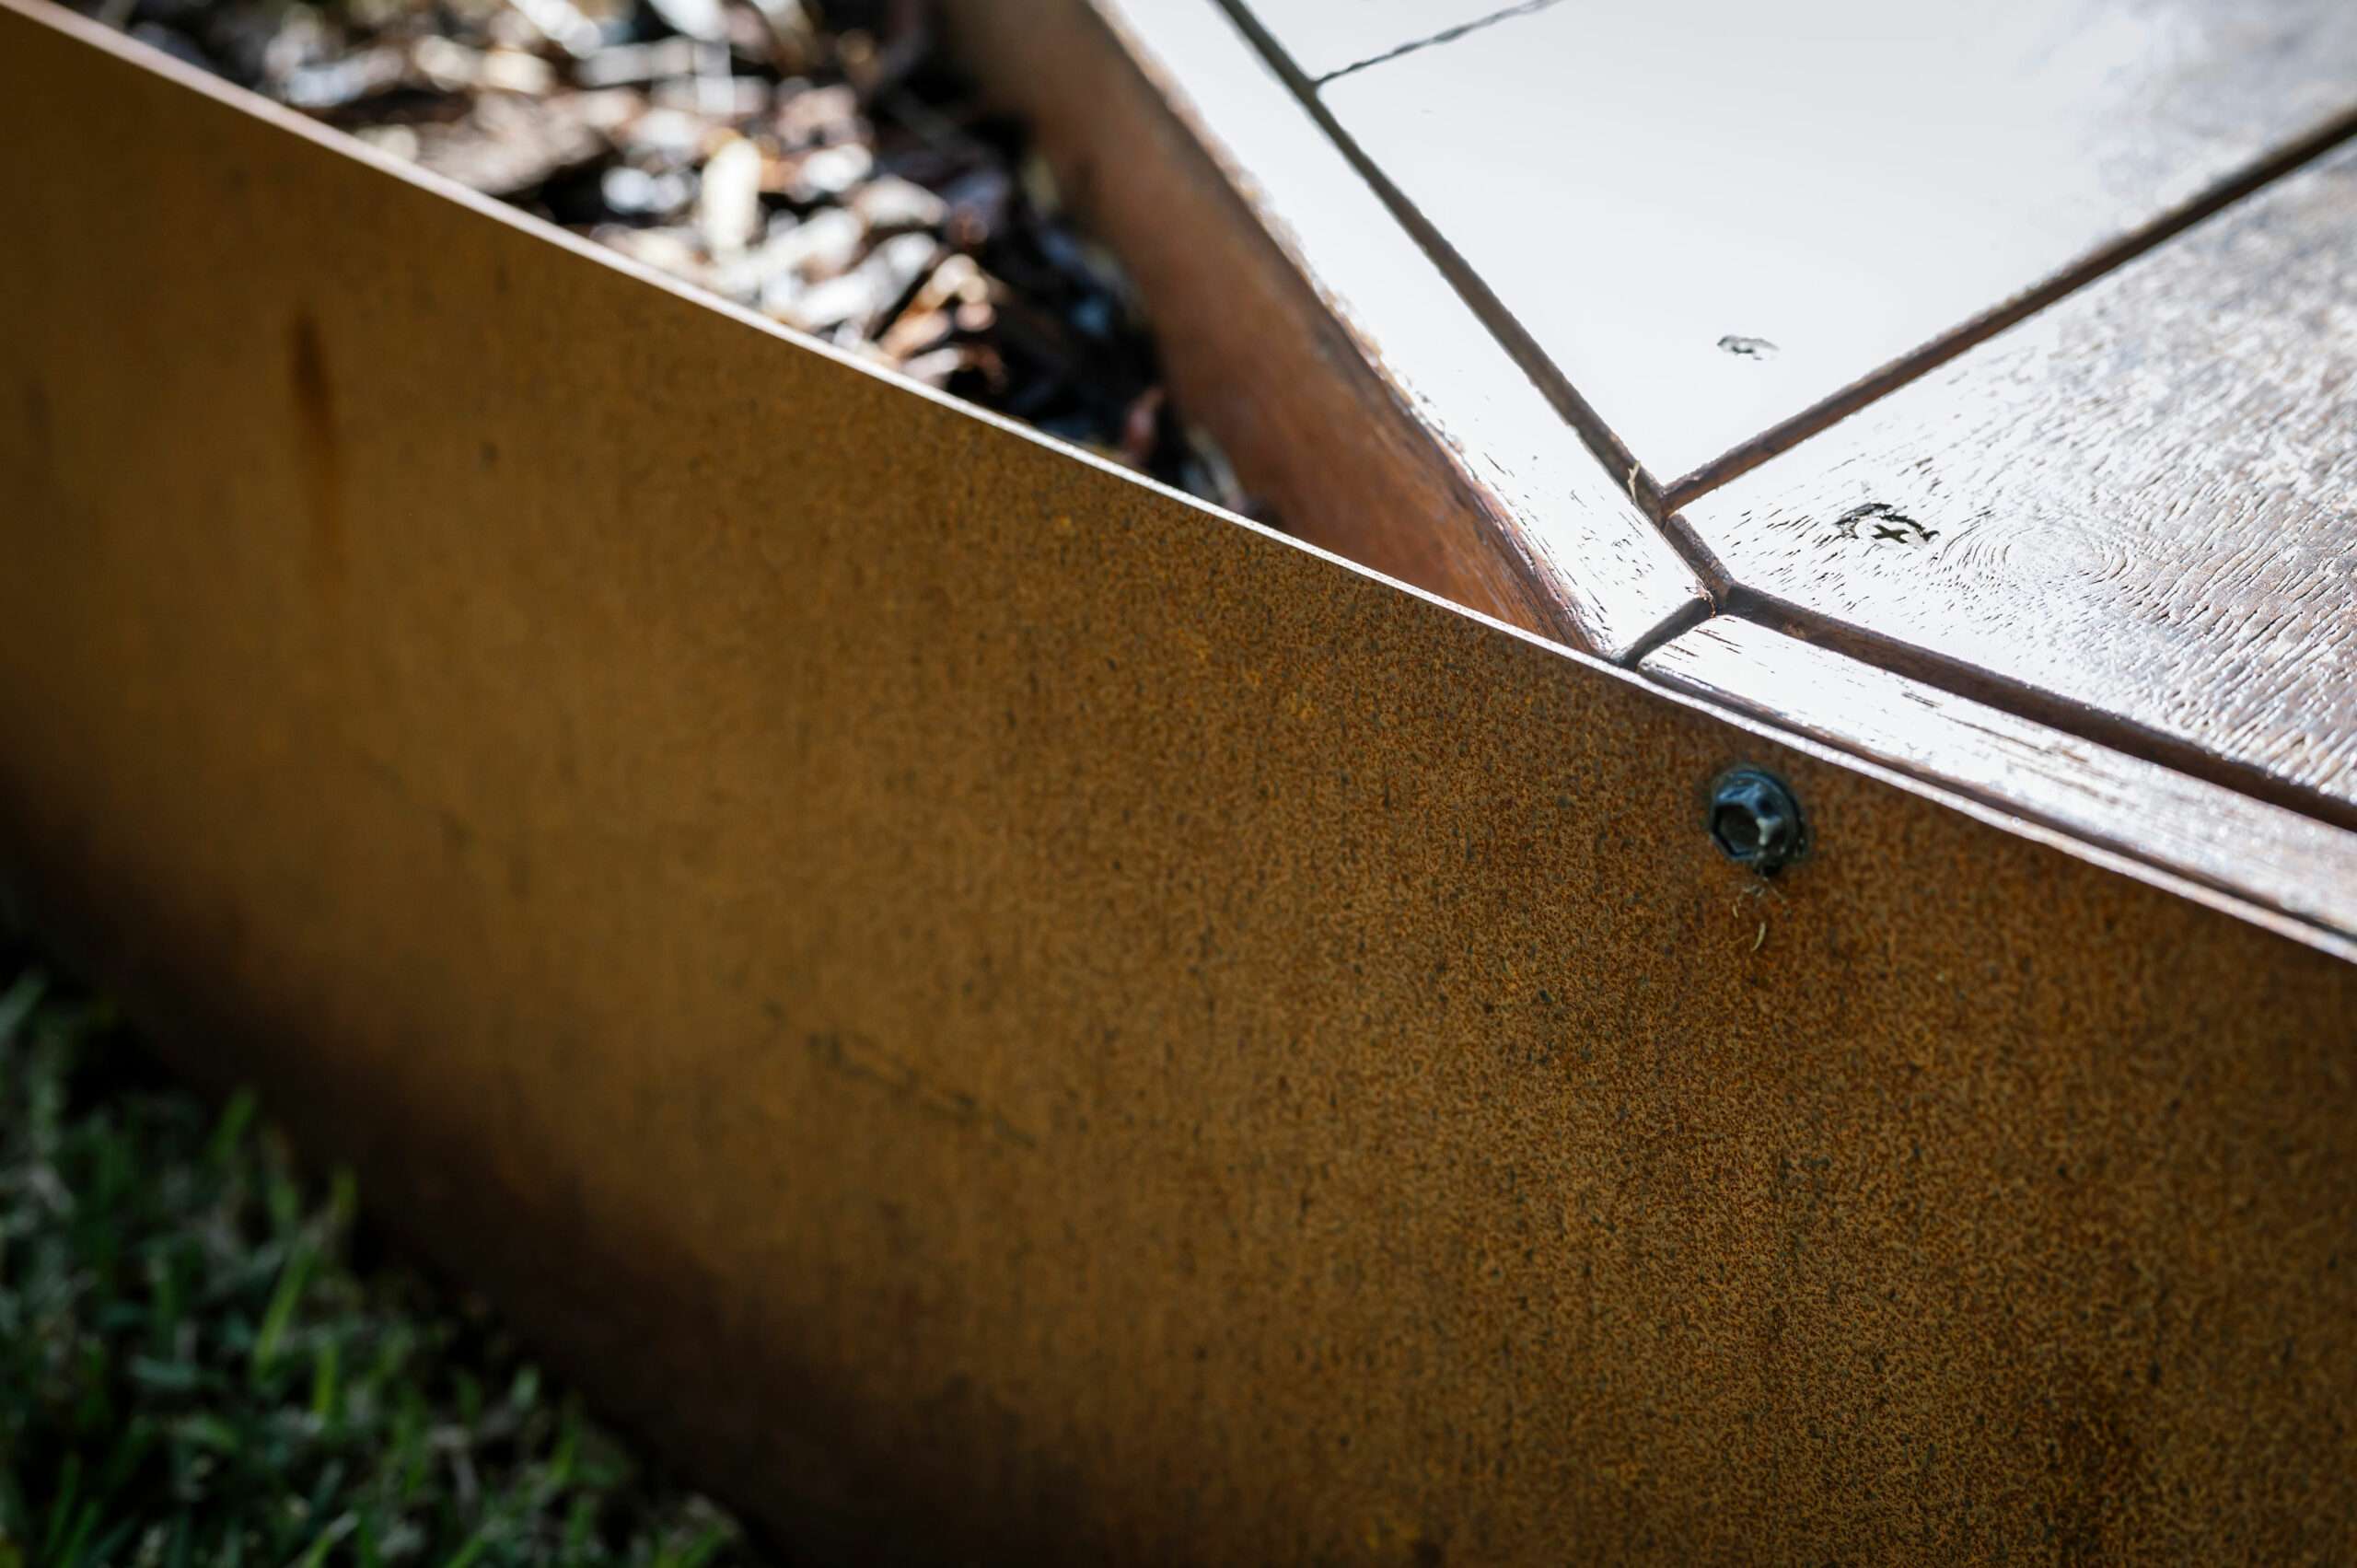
x=998 y=1010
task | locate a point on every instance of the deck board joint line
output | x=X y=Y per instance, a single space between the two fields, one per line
x=2032 y=704
x=1782 y=436
x=1446 y=35
x=1505 y=329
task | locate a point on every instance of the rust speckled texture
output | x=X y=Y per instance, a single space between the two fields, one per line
x=1003 y=1014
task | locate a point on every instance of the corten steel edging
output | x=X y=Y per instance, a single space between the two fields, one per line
x=995 y=1010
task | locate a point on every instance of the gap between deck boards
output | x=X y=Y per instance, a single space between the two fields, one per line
x=1662 y=502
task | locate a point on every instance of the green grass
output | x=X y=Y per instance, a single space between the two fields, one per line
x=197 y=1365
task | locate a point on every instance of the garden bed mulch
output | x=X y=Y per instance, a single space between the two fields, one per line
x=818 y=162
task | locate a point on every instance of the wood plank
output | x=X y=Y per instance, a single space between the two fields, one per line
x=1005 y=1014
x=1312 y=333
x=1252 y=352
x=2136 y=503
x=2292 y=864
x=1714 y=218
x=1322 y=37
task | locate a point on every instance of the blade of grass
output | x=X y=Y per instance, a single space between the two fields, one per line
x=281 y=1311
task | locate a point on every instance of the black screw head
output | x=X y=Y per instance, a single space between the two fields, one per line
x=1755 y=820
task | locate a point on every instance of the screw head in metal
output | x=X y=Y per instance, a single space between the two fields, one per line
x=1755 y=820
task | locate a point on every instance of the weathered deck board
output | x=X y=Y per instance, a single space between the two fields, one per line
x=2139 y=501
x=2141 y=809
x=1656 y=192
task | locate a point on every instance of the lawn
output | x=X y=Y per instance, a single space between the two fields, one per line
x=204 y=1359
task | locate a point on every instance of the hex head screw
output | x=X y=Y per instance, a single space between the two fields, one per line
x=1755 y=820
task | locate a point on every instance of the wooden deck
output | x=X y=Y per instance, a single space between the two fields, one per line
x=2003 y=350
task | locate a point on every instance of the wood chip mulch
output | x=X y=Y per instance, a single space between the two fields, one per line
x=823 y=168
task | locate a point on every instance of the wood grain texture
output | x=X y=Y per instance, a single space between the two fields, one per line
x=2303 y=868
x=1713 y=218
x=1323 y=36
x=1307 y=329
x=1005 y=1016
x=2137 y=503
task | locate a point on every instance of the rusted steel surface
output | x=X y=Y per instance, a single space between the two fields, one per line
x=1000 y=1011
